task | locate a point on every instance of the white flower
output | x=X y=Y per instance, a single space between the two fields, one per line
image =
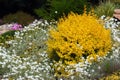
x=92 y=70
x=72 y=77
x=30 y=43
x=79 y=69
x=46 y=23
x=99 y=67
x=56 y=12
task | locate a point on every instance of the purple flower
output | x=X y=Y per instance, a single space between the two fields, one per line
x=16 y=27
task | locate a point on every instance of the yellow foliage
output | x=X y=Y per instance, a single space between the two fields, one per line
x=78 y=36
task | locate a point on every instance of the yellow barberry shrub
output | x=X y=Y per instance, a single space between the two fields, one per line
x=77 y=37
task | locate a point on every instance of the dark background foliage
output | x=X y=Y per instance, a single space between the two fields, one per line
x=54 y=9
x=12 y=6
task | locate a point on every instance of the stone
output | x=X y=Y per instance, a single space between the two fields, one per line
x=117 y=16
x=117 y=13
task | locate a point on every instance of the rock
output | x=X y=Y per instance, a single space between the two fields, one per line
x=4 y=28
x=3 y=31
x=117 y=16
x=117 y=13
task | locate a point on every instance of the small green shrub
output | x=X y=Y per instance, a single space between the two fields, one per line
x=104 y=68
x=19 y=17
x=54 y=9
x=9 y=35
x=105 y=8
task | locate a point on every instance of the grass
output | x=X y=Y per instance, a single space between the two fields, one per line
x=106 y=8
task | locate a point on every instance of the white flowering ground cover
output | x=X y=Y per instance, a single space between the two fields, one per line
x=26 y=58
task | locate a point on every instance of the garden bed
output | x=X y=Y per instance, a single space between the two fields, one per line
x=27 y=56
x=74 y=47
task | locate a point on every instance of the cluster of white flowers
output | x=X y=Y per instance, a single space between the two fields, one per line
x=25 y=68
x=42 y=23
x=26 y=57
x=114 y=26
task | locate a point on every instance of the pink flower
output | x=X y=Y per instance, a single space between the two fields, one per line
x=16 y=27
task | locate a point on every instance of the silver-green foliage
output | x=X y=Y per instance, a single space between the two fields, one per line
x=26 y=57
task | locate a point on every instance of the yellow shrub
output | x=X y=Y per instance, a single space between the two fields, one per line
x=78 y=36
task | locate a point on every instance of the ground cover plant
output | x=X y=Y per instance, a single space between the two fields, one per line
x=21 y=60
x=77 y=47
x=7 y=32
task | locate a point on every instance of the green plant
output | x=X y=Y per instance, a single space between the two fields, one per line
x=26 y=56
x=9 y=35
x=54 y=9
x=19 y=17
x=105 y=8
x=104 y=68
x=113 y=0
